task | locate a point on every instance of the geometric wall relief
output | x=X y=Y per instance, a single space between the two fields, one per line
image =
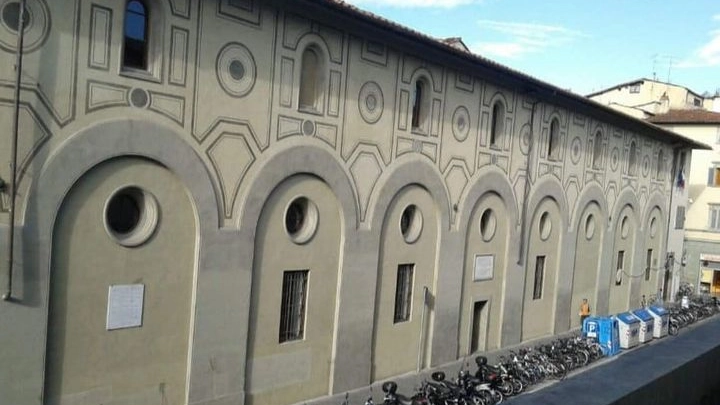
x=100 y=24
x=170 y=106
x=178 y=56
x=37 y=24
x=594 y=176
x=642 y=196
x=646 y=166
x=407 y=145
x=611 y=194
x=180 y=8
x=464 y=82
x=236 y=70
x=575 y=150
x=371 y=102
x=499 y=160
x=614 y=159
x=245 y=11
x=231 y=156
x=551 y=169
x=518 y=187
x=572 y=190
x=103 y=95
x=290 y=126
x=524 y=139
x=461 y=123
x=365 y=169
x=456 y=179
x=374 y=52
x=630 y=182
x=35 y=135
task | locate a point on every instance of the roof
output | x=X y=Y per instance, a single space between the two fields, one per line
x=639 y=81
x=411 y=41
x=694 y=116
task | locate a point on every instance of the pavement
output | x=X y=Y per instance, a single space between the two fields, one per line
x=612 y=380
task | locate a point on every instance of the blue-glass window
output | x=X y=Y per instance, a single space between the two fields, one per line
x=135 y=51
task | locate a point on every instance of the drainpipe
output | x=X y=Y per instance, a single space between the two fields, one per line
x=7 y=296
x=673 y=172
x=524 y=213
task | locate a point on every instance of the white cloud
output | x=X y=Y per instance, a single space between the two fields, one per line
x=522 y=38
x=414 y=3
x=706 y=55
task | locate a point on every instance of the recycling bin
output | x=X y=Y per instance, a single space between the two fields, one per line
x=647 y=324
x=662 y=320
x=605 y=331
x=629 y=329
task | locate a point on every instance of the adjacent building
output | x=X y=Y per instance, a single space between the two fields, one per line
x=265 y=202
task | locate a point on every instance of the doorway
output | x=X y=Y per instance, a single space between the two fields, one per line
x=478 y=337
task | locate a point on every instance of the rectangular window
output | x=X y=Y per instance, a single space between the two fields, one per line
x=648 y=264
x=714 y=216
x=620 y=267
x=292 y=309
x=635 y=88
x=714 y=176
x=680 y=218
x=403 y=292
x=539 y=275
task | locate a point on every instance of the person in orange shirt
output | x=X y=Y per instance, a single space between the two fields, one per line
x=584 y=310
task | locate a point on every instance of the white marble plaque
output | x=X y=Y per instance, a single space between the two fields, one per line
x=483 y=267
x=125 y=306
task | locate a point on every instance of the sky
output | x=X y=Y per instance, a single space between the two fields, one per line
x=579 y=45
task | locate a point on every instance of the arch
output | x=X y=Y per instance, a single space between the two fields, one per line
x=311 y=78
x=289 y=160
x=658 y=201
x=486 y=180
x=592 y=193
x=553 y=144
x=403 y=172
x=548 y=187
x=497 y=122
x=627 y=197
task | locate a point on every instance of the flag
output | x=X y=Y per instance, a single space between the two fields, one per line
x=681 y=179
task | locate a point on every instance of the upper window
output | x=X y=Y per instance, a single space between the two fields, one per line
x=497 y=126
x=632 y=159
x=419 y=106
x=660 y=173
x=597 y=151
x=635 y=88
x=554 y=140
x=135 y=49
x=293 y=305
x=714 y=176
x=311 y=80
x=714 y=216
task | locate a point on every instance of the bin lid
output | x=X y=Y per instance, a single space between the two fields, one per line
x=657 y=310
x=643 y=314
x=627 y=318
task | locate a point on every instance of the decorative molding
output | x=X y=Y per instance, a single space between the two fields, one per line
x=403 y=110
x=35 y=33
x=374 y=52
x=365 y=169
x=456 y=180
x=371 y=102
x=179 y=39
x=242 y=11
x=464 y=82
x=99 y=37
x=287 y=66
x=327 y=133
x=168 y=105
x=288 y=126
x=461 y=123
x=180 y=8
x=104 y=95
x=231 y=157
x=334 y=93
x=236 y=70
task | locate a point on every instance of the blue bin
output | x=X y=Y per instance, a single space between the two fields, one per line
x=647 y=323
x=605 y=331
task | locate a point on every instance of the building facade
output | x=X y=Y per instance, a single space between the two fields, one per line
x=246 y=202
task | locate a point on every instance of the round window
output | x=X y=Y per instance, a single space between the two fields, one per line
x=301 y=220
x=545 y=226
x=488 y=225
x=624 y=227
x=11 y=16
x=411 y=223
x=131 y=216
x=589 y=226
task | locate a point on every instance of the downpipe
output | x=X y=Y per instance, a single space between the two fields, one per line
x=7 y=296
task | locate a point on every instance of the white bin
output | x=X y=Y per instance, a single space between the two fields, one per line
x=629 y=330
x=647 y=324
x=662 y=320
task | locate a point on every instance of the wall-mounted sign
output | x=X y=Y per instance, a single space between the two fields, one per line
x=483 y=269
x=125 y=306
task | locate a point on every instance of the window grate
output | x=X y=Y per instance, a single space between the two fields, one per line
x=648 y=264
x=620 y=267
x=539 y=276
x=403 y=292
x=292 y=309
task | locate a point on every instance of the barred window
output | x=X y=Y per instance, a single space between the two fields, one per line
x=403 y=292
x=539 y=276
x=620 y=267
x=292 y=309
x=648 y=264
